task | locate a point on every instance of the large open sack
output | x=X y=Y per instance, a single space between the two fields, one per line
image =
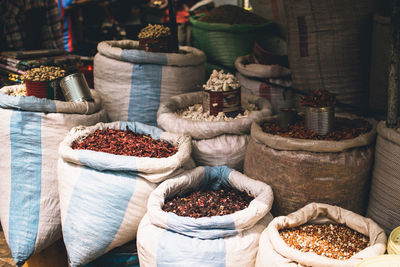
x=301 y=171
x=274 y=252
x=103 y=196
x=214 y=143
x=384 y=201
x=31 y=130
x=166 y=239
x=133 y=82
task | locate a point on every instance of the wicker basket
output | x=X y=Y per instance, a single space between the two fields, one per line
x=223 y=43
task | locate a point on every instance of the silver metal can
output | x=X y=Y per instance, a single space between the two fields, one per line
x=75 y=88
x=320 y=120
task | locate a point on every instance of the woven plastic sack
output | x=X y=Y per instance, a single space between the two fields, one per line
x=327 y=47
x=223 y=43
x=301 y=171
x=133 y=82
x=384 y=201
x=31 y=130
x=274 y=252
x=214 y=143
x=267 y=81
x=166 y=239
x=103 y=196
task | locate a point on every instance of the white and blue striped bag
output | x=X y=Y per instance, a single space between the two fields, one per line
x=166 y=239
x=103 y=196
x=214 y=143
x=133 y=82
x=31 y=130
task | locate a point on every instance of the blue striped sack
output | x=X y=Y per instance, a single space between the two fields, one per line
x=31 y=130
x=103 y=196
x=166 y=239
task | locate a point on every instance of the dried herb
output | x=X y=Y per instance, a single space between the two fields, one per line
x=208 y=203
x=231 y=14
x=127 y=143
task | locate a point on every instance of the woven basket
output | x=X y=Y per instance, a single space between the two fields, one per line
x=223 y=43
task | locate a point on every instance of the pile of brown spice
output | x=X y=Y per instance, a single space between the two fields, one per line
x=336 y=241
x=127 y=143
x=208 y=203
x=231 y=14
x=343 y=129
x=319 y=99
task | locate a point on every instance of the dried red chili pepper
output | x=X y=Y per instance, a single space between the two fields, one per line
x=127 y=143
x=319 y=99
x=344 y=129
x=208 y=203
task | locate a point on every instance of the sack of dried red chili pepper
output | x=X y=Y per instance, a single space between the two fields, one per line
x=336 y=244
x=164 y=238
x=303 y=167
x=31 y=130
x=215 y=141
x=104 y=183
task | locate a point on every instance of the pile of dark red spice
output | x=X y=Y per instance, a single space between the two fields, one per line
x=343 y=129
x=208 y=203
x=319 y=99
x=127 y=143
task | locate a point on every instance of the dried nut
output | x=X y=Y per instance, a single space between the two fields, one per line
x=196 y=113
x=220 y=81
x=44 y=73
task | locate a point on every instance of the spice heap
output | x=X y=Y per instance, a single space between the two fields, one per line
x=344 y=129
x=335 y=241
x=231 y=14
x=220 y=81
x=208 y=203
x=196 y=113
x=44 y=73
x=127 y=143
x=319 y=99
x=20 y=91
x=154 y=31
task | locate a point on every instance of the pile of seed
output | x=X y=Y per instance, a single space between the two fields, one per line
x=44 y=73
x=196 y=113
x=319 y=99
x=343 y=129
x=154 y=31
x=231 y=14
x=208 y=203
x=335 y=241
x=20 y=91
x=220 y=81
x=125 y=142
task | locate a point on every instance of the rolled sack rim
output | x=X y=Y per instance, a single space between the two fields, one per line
x=392 y=135
x=128 y=50
x=244 y=67
x=35 y=104
x=325 y=213
x=166 y=116
x=286 y=143
x=103 y=161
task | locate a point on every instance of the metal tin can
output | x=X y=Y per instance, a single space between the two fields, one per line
x=228 y=102
x=75 y=88
x=320 y=120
